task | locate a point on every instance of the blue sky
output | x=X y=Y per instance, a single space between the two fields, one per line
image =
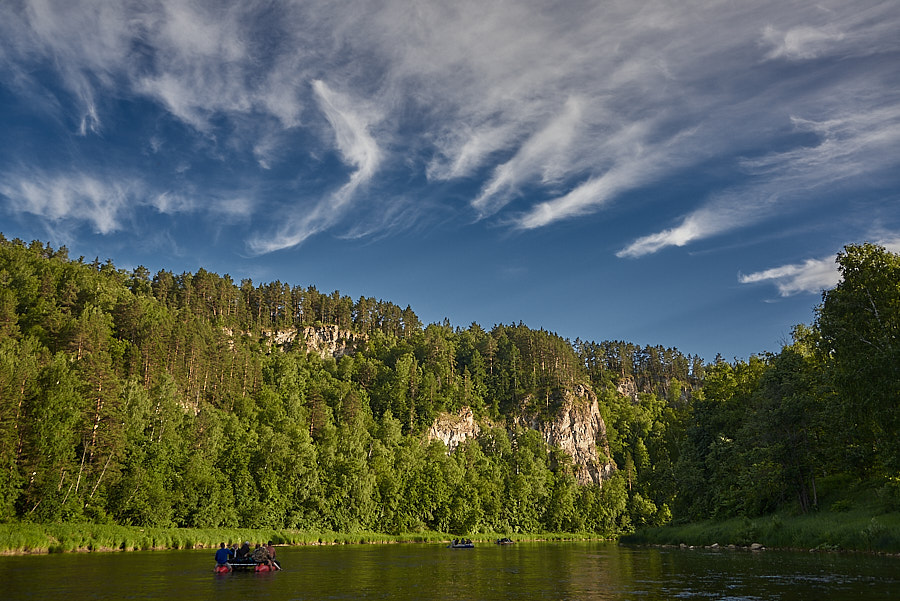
x=679 y=174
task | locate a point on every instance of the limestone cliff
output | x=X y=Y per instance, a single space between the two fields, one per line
x=578 y=430
x=454 y=429
x=627 y=387
x=325 y=341
x=664 y=387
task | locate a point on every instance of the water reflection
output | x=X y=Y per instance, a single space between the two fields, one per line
x=576 y=571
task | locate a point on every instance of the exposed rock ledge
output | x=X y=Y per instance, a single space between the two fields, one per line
x=578 y=429
x=453 y=430
x=325 y=341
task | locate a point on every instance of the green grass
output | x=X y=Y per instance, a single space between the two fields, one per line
x=851 y=516
x=21 y=538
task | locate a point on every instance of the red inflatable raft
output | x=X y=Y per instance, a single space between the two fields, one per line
x=246 y=565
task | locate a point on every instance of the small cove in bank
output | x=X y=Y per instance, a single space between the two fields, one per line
x=559 y=570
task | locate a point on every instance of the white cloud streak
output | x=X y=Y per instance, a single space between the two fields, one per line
x=726 y=214
x=861 y=145
x=109 y=202
x=196 y=59
x=810 y=276
x=542 y=156
x=228 y=205
x=351 y=130
x=351 y=127
x=800 y=43
x=72 y=198
x=546 y=110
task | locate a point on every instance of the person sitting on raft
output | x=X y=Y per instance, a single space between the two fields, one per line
x=261 y=555
x=244 y=550
x=223 y=555
x=271 y=549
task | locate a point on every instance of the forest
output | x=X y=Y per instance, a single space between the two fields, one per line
x=160 y=400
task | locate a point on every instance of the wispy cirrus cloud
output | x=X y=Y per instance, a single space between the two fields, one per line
x=543 y=156
x=848 y=146
x=196 y=59
x=461 y=152
x=802 y=42
x=83 y=41
x=725 y=214
x=72 y=197
x=229 y=205
x=541 y=111
x=351 y=128
x=810 y=276
x=634 y=165
x=585 y=198
x=207 y=63
x=823 y=30
x=351 y=125
x=108 y=201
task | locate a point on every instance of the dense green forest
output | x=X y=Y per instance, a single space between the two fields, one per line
x=161 y=400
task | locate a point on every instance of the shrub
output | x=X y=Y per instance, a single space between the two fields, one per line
x=841 y=506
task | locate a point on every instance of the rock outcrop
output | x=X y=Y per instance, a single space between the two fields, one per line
x=454 y=429
x=325 y=341
x=578 y=430
x=627 y=387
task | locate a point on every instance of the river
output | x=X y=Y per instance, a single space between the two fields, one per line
x=576 y=570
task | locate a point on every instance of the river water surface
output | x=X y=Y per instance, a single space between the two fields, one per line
x=592 y=570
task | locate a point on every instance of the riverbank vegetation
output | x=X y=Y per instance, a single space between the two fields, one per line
x=24 y=538
x=854 y=516
x=165 y=401
x=178 y=402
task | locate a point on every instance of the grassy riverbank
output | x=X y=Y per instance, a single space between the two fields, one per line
x=22 y=538
x=852 y=517
x=820 y=532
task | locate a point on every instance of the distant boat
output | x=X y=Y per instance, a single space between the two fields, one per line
x=461 y=544
x=505 y=541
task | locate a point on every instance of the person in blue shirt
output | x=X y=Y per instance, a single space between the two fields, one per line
x=223 y=555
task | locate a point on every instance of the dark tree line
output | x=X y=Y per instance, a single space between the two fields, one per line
x=162 y=401
x=763 y=434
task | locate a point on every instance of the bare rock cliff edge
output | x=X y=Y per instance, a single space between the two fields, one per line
x=577 y=429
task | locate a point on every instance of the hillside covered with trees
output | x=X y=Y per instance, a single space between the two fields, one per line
x=161 y=400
